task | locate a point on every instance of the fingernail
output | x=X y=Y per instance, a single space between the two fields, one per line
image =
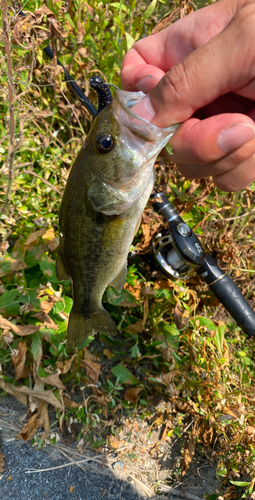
x=235 y=136
x=146 y=84
x=144 y=109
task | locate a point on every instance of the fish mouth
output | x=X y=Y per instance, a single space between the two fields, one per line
x=123 y=103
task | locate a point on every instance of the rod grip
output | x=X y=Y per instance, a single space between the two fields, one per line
x=235 y=303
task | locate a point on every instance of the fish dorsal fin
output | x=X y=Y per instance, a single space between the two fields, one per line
x=119 y=281
x=60 y=269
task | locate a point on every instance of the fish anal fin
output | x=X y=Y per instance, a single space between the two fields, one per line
x=80 y=327
x=60 y=269
x=119 y=281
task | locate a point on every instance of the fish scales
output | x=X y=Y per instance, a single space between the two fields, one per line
x=105 y=195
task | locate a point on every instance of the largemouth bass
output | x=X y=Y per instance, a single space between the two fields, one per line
x=105 y=195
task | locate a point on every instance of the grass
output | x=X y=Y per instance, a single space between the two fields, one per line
x=176 y=342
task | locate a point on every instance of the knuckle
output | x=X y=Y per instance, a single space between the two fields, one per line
x=177 y=81
x=245 y=19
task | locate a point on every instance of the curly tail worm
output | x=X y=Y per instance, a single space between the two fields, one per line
x=103 y=92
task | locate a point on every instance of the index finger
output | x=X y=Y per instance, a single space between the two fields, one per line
x=135 y=67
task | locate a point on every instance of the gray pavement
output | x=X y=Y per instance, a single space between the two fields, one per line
x=58 y=484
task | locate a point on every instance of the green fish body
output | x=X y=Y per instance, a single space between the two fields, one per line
x=105 y=195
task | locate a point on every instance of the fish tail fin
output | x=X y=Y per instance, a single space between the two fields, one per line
x=80 y=327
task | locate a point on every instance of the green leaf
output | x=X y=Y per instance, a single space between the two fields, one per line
x=48 y=268
x=169 y=149
x=219 y=337
x=98 y=443
x=124 y=375
x=111 y=341
x=239 y=483
x=135 y=352
x=11 y=301
x=123 y=298
x=35 y=345
x=150 y=9
x=120 y=6
x=130 y=40
x=206 y=322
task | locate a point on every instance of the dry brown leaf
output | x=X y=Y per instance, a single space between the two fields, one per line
x=145 y=309
x=71 y=404
x=137 y=327
x=29 y=428
x=92 y=369
x=117 y=444
x=2 y=462
x=64 y=366
x=131 y=395
x=178 y=316
x=44 y=417
x=22 y=393
x=101 y=400
x=53 y=245
x=19 y=330
x=7 y=336
x=48 y=297
x=108 y=353
x=135 y=290
x=83 y=52
x=46 y=320
x=16 y=265
x=49 y=236
x=146 y=244
x=190 y=450
x=232 y=411
x=33 y=239
x=162 y=283
x=54 y=380
x=188 y=454
x=167 y=378
x=184 y=8
x=39 y=419
x=19 y=358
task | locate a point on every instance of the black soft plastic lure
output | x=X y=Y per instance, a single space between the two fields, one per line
x=103 y=92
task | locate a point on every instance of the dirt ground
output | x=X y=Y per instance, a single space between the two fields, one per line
x=112 y=474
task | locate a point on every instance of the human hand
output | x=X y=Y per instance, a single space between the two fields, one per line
x=201 y=71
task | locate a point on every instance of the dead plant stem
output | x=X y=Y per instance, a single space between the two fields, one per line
x=11 y=150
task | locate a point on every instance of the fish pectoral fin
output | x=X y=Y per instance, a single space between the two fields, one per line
x=60 y=269
x=119 y=281
x=80 y=327
x=106 y=199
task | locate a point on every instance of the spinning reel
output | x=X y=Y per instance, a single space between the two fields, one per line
x=178 y=252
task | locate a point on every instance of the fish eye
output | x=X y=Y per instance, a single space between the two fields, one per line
x=104 y=143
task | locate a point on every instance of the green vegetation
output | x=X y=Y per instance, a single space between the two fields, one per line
x=175 y=341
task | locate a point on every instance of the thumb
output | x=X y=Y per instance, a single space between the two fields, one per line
x=224 y=64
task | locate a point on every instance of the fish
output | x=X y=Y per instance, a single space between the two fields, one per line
x=106 y=192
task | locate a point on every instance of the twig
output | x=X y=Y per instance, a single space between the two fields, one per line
x=175 y=492
x=145 y=488
x=11 y=151
x=30 y=172
x=32 y=471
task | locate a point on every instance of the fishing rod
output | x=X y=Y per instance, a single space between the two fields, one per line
x=177 y=250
